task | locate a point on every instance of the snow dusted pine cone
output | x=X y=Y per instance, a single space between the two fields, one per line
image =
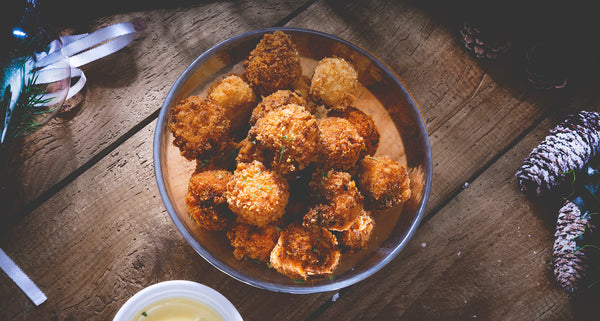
x=570 y=262
x=482 y=44
x=568 y=147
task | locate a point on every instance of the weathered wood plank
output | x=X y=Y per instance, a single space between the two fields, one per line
x=115 y=247
x=124 y=89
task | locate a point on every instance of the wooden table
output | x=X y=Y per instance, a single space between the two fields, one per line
x=82 y=216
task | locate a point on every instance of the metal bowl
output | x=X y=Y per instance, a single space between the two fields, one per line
x=383 y=96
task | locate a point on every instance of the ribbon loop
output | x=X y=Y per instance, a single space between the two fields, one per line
x=80 y=50
x=98 y=44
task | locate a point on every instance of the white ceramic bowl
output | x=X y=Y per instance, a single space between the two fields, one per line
x=178 y=289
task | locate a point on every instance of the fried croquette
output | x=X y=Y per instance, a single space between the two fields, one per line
x=199 y=127
x=363 y=123
x=334 y=83
x=358 y=235
x=274 y=64
x=206 y=200
x=288 y=138
x=275 y=101
x=383 y=182
x=253 y=242
x=257 y=195
x=340 y=145
x=249 y=151
x=236 y=97
x=302 y=253
x=339 y=201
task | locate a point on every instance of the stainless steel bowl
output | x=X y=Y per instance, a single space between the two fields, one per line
x=403 y=137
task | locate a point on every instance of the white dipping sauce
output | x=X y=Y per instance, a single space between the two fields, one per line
x=177 y=309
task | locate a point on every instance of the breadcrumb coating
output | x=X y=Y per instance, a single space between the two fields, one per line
x=257 y=195
x=253 y=242
x=339 y=201
x=340 y=145
x=236 y=97
x=303 y=253
x=364 y=124
x=288 y=138
x=275 y=101
x=199 y=127
x=256 y=139
x=383 y=182
x=206 y=201
x=334 y=83
x=249 y=151
x=357 y=237
x=274 y=64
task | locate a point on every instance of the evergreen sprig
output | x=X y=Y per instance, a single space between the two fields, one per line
x=575 y=254
x=29 y=109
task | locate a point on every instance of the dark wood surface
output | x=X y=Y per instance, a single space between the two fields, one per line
x=81 y=213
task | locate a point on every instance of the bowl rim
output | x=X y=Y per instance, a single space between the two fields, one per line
x=178 y=289
x=306 y=288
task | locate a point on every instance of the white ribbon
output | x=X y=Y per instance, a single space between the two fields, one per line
x=49 y=68
x=21 y=279
x=80 y=50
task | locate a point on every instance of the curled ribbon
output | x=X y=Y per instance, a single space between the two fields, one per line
x=61 y=61
x=80 y=50
x=50 y=67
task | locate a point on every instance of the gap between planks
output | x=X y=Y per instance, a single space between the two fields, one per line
x=127 y=135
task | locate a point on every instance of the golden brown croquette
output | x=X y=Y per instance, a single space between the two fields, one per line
x=334 y=83
x=275 y=101
x=237 y=99
x=257 y=195
x=206 y=200
x=340 y=145
x=287 y=137
x=364 y=124
x=302 y=253
x=339 y=201
x=199 y=127
x=273 y=64
x=249 y=151
x=253 y=242
x=383 y=182
x=358 y=235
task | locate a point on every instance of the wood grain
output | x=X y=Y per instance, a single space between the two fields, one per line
x=106 y=236
x=103 y=234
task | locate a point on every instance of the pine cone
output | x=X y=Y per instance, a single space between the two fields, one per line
x=482 y=44
x=545 y=68
x=569 y=147
x=570 y=262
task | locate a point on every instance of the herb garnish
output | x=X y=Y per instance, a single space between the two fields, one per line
x=203 y=163
x=145 y=314
x=281 y=153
